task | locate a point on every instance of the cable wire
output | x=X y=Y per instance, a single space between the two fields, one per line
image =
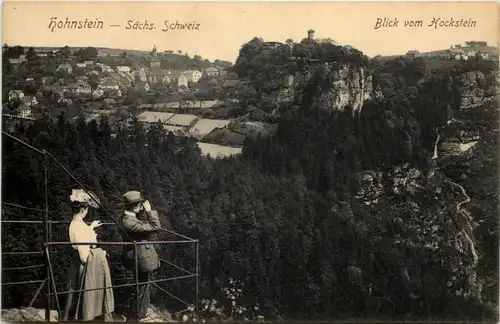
x=23 y=142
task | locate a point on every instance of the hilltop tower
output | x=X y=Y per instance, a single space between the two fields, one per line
x=310 y=34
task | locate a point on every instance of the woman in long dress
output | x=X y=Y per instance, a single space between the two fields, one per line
x=84 y=257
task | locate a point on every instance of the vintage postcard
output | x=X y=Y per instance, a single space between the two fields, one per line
x=250 y=161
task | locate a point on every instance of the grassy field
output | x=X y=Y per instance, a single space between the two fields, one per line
x=205 y=126
x=218 y=150
x=154 y=116
x=181 y=119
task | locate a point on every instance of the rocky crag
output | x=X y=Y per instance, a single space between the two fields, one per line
x=463 y=130
x=474 y=89
x=343 y=86
x=279 y=75
x=445 y=208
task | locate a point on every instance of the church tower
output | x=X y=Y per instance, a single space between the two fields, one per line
x=155 y=61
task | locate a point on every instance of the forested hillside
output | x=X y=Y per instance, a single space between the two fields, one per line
x=340 y=214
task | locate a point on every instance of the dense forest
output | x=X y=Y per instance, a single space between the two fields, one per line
x=290 y=227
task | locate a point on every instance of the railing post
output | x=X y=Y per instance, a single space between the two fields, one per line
x=137 y=306
x=46 y=232
x=197 y=278
x=51 y=273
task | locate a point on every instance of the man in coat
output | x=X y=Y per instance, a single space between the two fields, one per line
x=140 y=229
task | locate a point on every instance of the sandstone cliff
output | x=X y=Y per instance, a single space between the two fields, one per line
x=350 y=86
x=426 y=213
x=335 y=75
x=444 y=209
x=341 y=86
x=463 y=132
x=472 y=89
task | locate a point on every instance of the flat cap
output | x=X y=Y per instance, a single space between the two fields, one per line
x=132 y=197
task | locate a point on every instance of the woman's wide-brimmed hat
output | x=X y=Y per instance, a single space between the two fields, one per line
x=89 y=198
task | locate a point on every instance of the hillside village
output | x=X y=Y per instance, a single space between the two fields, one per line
x=470 y=50
x=191 y=97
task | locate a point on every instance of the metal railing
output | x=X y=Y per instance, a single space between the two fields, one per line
x=49 y=281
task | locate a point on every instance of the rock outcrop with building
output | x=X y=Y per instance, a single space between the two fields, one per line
x=279 y=73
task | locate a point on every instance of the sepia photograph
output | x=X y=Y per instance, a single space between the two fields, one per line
x=250 y=162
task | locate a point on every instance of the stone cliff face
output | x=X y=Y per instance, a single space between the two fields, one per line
x=461 y=134
x=347 y=85
x=426 y=213
x=462 y=142
x=439 y=211
x=456 y=139
x=472 y=89
x=350 y=86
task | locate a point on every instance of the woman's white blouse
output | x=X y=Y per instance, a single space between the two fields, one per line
x=79 y=232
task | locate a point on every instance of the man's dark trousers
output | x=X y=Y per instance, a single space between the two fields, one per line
x=144 y=276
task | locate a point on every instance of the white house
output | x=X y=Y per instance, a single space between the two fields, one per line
x=192 y=75
x=155 y=75
x=24 y=111
x=72 y=88
x=123 y=68
x=457 y=54
x=66 y=67
x=83 y=87
x=211 y=71
x=141 y=74
x=16 y=94
x=17 y=61
x=43 y=53
x=81 y=65
x=97 y=94
x=471 y=53
x=166 y=80
x=182 y=81
x=29 y=101
x=111 y=84
x=105 y=68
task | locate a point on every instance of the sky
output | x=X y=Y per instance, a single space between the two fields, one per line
x=223 y=27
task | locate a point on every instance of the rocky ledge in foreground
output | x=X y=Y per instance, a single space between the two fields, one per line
x=30 y=314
